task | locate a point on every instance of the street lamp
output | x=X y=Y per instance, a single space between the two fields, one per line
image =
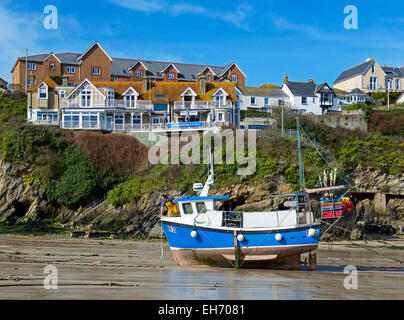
x=389 y=81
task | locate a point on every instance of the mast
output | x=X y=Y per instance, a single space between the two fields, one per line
x=300 y=155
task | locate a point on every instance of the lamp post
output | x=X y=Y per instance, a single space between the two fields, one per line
x=389 y=80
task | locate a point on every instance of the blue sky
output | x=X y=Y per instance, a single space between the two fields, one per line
x=268 y=38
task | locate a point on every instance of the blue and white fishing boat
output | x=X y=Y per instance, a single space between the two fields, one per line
x=208 y=232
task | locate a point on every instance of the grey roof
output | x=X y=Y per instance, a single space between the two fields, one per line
x=187 y=72
x=65 y=58
x=349 y=73
x=399 y=72
x=324 y=88
x=302 y=88
x=356 y=91
x=120 y=66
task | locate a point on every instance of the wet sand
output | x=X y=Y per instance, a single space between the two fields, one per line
x=132 y=269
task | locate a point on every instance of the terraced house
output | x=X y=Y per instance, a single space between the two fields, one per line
x=147 y=105
x=95 y=64
x=369 y=76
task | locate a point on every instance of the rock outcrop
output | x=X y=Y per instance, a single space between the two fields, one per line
x=21 y=201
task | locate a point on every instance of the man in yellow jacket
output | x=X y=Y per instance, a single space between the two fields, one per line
x=172 y=210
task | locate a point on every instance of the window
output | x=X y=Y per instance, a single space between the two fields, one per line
x=85 y=98
x=118 y=119
x=136 y=119
x=160 y=107
x=373 y=83
x=200 y=207
x=187 y=208
x=114 y=78
x=398 y=84
x=43 y=92
x=52 y=66
x=62 y=93
x=31 y=66
x=70 y=69
x=266 y=101
x=281 y=102
x=130 y=101
x=220 y=117
x=234 y=78
x=170 y=75
x=304 y=100
x=373 y=69
x=71 y=83
x=390 y=83
x=138 y=73
x=253 y=100
x=156 y=120
x=314 y=100
x=208 y=78
x=96 y=71
x=230 y=117
x=47 y=116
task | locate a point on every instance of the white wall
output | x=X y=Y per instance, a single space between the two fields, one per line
x=245 y=101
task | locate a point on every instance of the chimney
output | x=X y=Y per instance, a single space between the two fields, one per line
x=369 y=59
x=31 y=80
x=202 y=84
x=285 y=78
x=145 y=84
x=65 y=80
x=311 y=81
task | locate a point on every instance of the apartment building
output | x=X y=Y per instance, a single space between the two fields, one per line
x=147 y=105
x=95 y=64
x=369 y=77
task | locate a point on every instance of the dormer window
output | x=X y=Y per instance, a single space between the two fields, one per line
x=234 y=78
x=171 y=75
x=43 y=92
x=52 y=66
x=208 y=78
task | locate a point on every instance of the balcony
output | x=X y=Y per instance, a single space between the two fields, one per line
x=161 y=127
x=197 y=105
x=110 y=104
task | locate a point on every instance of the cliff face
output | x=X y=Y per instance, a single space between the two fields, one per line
x=21 y=202
x=18 y=200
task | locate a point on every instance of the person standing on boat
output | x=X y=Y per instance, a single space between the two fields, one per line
x=167 y=202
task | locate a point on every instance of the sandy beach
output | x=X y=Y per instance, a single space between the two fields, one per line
x=144 y=269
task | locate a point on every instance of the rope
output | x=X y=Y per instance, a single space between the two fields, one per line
x=375 y=252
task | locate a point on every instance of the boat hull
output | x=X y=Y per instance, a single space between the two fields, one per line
x=259 y=248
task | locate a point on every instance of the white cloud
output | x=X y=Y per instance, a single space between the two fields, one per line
x=236 y=17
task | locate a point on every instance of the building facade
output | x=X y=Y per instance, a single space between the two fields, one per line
x=265 y=98
x=369 y=77
x=134 y=105
x=309 y=97
x=95 y=64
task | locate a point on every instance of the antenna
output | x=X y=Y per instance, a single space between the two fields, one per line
x=301 y=164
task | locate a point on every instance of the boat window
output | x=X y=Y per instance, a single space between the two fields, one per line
x=187 y=208
x=201 y=207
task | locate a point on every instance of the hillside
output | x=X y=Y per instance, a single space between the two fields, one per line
x=51 y=176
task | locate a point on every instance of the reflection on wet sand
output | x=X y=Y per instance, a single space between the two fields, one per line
x=127 y=269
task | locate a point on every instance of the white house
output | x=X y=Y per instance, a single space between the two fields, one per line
x=264 y=98
x=309 y=97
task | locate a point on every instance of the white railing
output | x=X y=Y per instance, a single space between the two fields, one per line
x=94 y=125
x=45 y=122
x=193 y=105
x=110 y=103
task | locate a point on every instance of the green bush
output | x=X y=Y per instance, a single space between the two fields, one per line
x=80 y=179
